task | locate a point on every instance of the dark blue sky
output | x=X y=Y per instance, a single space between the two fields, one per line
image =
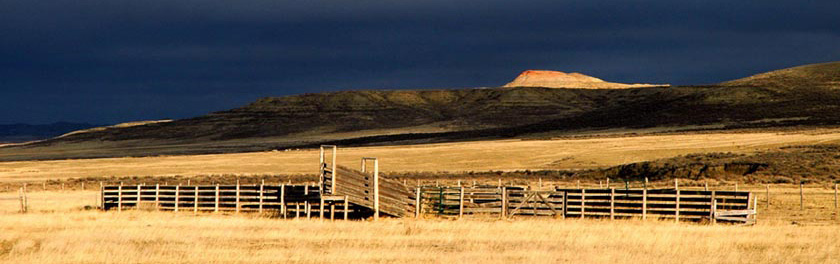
x=113 y=61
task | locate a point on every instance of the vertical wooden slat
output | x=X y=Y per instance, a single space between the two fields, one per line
x=262 y=190
x=504 y=202
x=612 y=203
x=139 y=194
x=195 y=201
x=283 y=208
x=644 y=204
x=835 y=197
x=119 y=198
x=334 y=186
x=767 y=189
x=376 y=189
x=216 y=203
x=677 y=211
x=755 y=209
x=565 y=203
x=582 y=203
x=177 y=196
x=346 y=207
x=237 y=196
x=461 y=203
x=321 y=208
x=157 y=196
x=306 y=202
x=101 y=196
x=713 y=208
x=332 y=211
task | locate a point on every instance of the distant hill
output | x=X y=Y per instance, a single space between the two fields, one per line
x=15 y=133
x=800 y=96
x=822 y=75
x=556 y=79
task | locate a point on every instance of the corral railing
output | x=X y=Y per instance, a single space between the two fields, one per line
x=511 y=201
x=282 y=200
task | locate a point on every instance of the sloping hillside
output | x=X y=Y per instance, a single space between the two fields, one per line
x=822 y=75
x=798 y=96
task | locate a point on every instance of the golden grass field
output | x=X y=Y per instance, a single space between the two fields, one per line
x=58 y=230
x=465 y=156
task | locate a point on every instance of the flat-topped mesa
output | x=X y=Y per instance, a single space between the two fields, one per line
x=558 y=79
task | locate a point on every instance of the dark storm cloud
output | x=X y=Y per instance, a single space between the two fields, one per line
x=111 y=61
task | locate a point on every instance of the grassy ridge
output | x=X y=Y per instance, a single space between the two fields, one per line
x=801 y=96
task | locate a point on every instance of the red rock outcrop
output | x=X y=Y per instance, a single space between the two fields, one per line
x=557 y=79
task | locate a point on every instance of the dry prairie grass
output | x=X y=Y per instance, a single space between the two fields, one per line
x=152 y=237
x=58 y=230
x=465 y=156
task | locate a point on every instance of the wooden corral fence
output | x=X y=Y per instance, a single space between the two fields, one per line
x=341 y=191
x=513 y=201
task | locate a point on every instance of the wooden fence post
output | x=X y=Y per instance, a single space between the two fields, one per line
x=612 y=203
x=767 y=188
x=262 y=190
x=22 y=201
x=321 y=209
x=755 y=208
x=195 y=201
x=25 y=198
x=582 y=203
x=677 y=211
x=216 y=204
x=119 y=198
x=376 y=189
x=608 y=182
x=706 y=185
x=139 y=194
x=101 y=196
x=346 y=207
x=306 y=204
x=504 y=202
x=461 y=203
x=801 y=196
x=283 y=208
x=644 y=203
x=157 y=196
x=237 y=196
x=417 y=205
x=177 y=196
x=713 y=208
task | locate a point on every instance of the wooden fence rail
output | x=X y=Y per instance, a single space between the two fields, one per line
x=510 y=201
x=281 y=200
